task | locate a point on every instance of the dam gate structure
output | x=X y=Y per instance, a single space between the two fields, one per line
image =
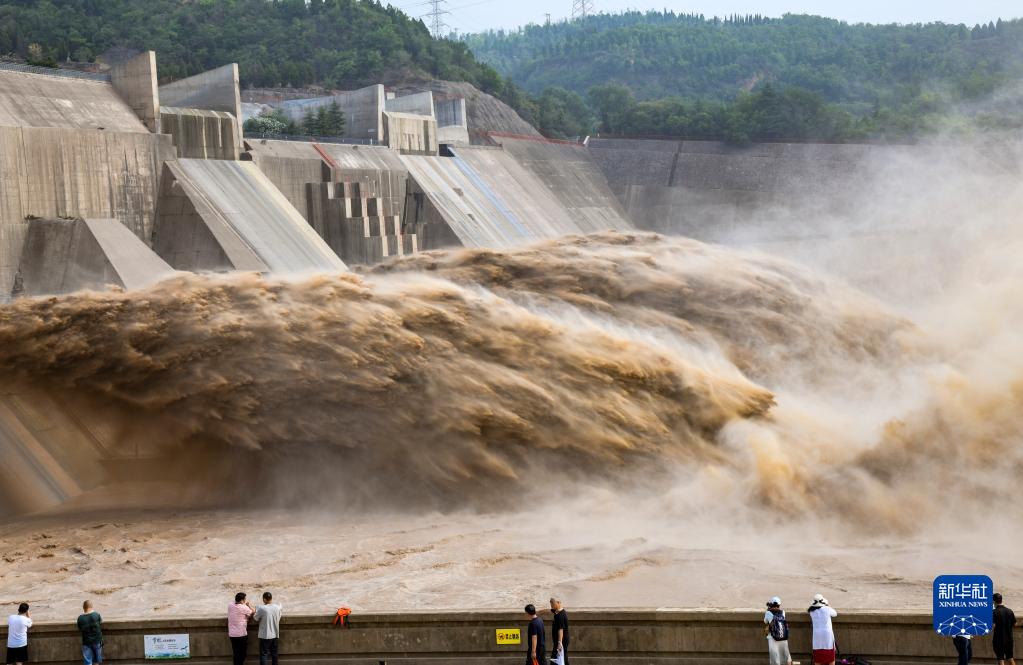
x=115 y=181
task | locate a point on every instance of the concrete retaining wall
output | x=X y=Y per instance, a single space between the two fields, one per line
x=571 y=174
x=704 y=188
x=67 y=255
x=225 y=215
x=523 y=192
x=215 y=90
x=201 y=134
x=39 y=100
x=50 y=454
x=50 y=172
x=410 y=134
x=420 y=103
x=363 y=111
x=448 y=638
x=452 y=121
x=135 y=82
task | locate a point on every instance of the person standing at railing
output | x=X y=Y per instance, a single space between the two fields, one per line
x=1004 y=623
x=268 y=615
x=90 y=625
x=17 y=635
x=821 y=615
x=239 y=614
x=776 y=626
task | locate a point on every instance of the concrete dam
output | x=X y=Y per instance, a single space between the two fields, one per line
x=444 y=363
x=116 y=181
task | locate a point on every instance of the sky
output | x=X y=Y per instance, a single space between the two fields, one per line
x=478 y=15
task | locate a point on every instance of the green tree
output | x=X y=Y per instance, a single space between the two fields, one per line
x=563 y=114
x=334 y=120
x=612 y=103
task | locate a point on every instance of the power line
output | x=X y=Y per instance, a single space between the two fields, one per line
x=581 y=8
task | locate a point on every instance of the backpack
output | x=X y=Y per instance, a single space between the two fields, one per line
x=853 y=660
x=779 y=628
x=341 y=619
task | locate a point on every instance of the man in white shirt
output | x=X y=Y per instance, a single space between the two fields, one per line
x=823 y=634
x=17 y=635
x=268 y=616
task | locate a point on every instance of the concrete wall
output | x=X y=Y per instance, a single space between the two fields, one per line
x=135 y=81
x=679 y=637
x=201 y=134
x=450 y=112
x=705 y=188
x=574 y=178
x=420 y=103
x=290 y=166
x=40 y=100
x=478 y=216
x=363 y=111
x=358 y=198
x=215 y=90
x=50 y=453
x=484 y=113
x=410 y=134
x=48 y=172
x=523 y=192
x=67 y=255
x=232 y=207
x=452 y=121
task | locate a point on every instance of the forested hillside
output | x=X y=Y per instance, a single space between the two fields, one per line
x=662 y=54
x=739 y=79
x=678 y=74
x=334 y=43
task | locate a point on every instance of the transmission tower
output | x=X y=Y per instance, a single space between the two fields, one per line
x=435 y=17
x=581 y=8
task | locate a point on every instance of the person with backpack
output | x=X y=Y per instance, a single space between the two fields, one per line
x=821 y=615
x=777 y=629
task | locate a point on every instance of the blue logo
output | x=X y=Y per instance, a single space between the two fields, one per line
x=963 y=605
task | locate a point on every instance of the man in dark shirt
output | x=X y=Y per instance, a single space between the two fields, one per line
x=1004 y=621
x=90 y=625
x=559 y=632
x=534 y=638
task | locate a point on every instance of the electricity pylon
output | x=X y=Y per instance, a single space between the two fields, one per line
x=581 y=8
x=435 y=19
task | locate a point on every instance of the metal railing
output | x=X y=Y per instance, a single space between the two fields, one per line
x=310 y=139
x=50 y=71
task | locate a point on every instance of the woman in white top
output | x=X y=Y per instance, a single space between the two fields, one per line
x=777 y=629
x=823 y=634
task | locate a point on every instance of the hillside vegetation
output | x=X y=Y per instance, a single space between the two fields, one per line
x=684 y=74
x=660 y=73
x=333 y=43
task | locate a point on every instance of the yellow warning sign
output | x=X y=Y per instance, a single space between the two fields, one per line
x=509 y=636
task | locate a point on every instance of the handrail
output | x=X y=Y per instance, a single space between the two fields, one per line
x=50 y=71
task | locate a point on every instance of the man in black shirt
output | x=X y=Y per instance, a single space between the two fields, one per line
x=534 y=638
x=1004 y=621
x=90 y=625
x=559 y=632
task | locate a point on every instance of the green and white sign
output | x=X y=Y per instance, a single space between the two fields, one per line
x=166 y=647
